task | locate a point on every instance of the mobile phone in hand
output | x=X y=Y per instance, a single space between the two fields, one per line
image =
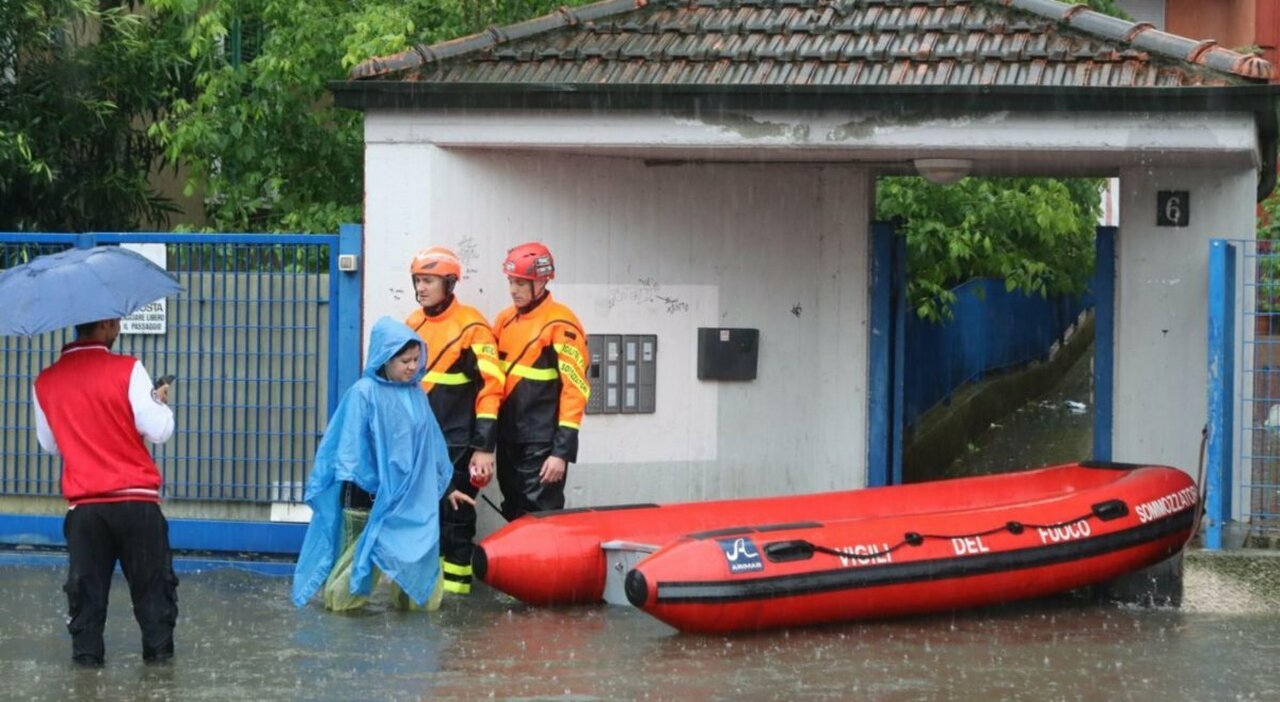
x=165 y=380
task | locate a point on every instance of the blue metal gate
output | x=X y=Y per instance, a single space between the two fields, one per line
x=916 y=364
x=255 y=339
x=1243 y=454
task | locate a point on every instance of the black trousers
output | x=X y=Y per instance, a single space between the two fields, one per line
x=518 y=468
x=458 y=526
x=137 y=535
x=355 y=498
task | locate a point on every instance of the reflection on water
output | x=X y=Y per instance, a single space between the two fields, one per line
x=239 y=638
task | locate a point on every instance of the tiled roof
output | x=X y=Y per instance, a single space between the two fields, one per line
x=873 y=43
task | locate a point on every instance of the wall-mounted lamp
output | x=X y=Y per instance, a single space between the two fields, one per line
x=943 y=171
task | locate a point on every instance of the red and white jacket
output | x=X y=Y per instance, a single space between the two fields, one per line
x=95 y=408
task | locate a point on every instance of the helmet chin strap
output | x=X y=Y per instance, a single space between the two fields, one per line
x=537 y=299
x=439 y=307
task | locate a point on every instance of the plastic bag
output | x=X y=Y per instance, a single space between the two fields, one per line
x=337 y=588
x=401 y=600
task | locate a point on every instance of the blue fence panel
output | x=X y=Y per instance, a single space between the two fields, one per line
x=1255 y=457
x=24 y=468
x=991 y=330
x=252 y=339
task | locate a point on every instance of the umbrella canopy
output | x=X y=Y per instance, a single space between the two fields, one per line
x=78 y=286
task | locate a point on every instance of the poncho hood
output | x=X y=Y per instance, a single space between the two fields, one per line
x=385 y=341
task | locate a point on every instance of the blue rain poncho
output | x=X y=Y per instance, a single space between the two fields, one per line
x=384 y=438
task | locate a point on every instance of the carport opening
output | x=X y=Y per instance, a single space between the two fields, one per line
x=996 y=299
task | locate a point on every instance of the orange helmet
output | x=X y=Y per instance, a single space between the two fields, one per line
x=531 y=261
x=436 y=260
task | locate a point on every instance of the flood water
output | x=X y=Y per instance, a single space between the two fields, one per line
x=240 y=638
x=1056 y=428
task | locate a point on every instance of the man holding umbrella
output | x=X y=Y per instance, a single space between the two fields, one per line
x=95 y=408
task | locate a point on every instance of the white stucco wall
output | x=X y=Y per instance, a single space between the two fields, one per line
x=663 y=249
x=1161 y=340
x=664 y=223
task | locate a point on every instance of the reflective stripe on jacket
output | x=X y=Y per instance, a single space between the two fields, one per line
x=464 y=378
x=544 y=355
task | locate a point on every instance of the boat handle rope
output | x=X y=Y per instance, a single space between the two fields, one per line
x=800 y=549
x=1202 y=485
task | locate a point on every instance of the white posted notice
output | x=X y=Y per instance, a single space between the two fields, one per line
x=152 y=318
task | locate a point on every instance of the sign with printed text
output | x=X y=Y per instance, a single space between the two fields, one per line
x=1173 y=208
x=153 y=318
x=741 y=555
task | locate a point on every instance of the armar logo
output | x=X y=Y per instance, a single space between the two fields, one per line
x=741 y=555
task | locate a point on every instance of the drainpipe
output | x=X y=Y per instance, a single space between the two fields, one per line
x=1268 y=141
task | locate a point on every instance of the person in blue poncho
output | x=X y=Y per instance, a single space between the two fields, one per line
x=382 y=440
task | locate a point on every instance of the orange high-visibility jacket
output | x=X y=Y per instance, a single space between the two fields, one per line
x=464 y=379
x=544 y=354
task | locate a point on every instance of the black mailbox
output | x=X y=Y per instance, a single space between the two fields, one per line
x=727 y=354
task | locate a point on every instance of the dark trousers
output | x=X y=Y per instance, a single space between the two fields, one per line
x=137 y=535
x=458 y=526
x=518 y=468
x=355 y=498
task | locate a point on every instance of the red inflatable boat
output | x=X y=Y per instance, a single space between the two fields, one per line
x=1071 y=527
x=557 y=557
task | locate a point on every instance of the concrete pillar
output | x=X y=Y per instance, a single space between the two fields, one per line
x=1161 y=325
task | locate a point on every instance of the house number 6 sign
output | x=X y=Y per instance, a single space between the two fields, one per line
x=1173 y=208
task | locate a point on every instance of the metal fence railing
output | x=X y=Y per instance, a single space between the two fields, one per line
x=252 y=341
x=1258 y=360
x=24 y=469
x=1251 y=492
x=1242 y=460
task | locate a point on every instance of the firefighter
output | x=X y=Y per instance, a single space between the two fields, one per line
x=543 y=350
x=464 y=386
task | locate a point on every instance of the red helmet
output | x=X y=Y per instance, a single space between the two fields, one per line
x=436 y=260
x=531 y=261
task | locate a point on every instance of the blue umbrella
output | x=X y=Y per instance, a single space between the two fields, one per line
x=78 y=286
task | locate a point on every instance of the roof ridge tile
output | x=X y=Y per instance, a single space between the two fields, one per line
x=1143 y=36
x=915 y=42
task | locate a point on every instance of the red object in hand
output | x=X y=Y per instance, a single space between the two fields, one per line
x=478 y=481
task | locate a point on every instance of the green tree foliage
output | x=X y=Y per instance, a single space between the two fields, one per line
x=1267 y=233
x=79 y=83
x=1035 y=234
x=1109 y=7
x=261 y=135
x=82 y=85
